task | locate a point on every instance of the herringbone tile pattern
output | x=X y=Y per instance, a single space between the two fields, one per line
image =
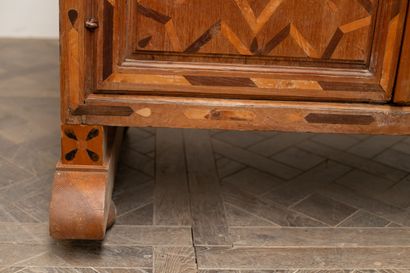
x=202 y=201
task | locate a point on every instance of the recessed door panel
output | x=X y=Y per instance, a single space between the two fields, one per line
x=344 y=50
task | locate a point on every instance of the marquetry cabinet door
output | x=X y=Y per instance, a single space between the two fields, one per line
x=323 y=50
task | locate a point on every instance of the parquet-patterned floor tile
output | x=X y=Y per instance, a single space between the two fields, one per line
x=298 y=158
x=324 y=209
x=374 y=145
x=202 y=201
x=253 y=181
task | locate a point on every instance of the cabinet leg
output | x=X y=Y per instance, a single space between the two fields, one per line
x=81 y=207
x=111 y=215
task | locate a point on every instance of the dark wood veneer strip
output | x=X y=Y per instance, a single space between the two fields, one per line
x=334 y=42
x=272 y=44
x=339 y=119
x=205 y=38
x=94 y=110
x=108 y=39
x=220 y=81
x=345 y=86
x=155 y=15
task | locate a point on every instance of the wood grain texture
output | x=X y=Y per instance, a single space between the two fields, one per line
x=83 y=110
x=150 y=235
x=259 y=24
x=108 y=39
x=319 y=258
x=351 y=47
x=171 y=204
x=83 y=145
x=174 y=259
x=276 y=214
x=340 y=119
x=81 y=206
x=397 y=14
x=258 y=115
x=402 y=93
x=77 y=64
x=318 y=237
x=369 y=173
x=207 y=208
x=353 y=58
x=170 y=64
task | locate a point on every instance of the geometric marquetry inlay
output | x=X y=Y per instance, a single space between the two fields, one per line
x=275 y=49
x=327 y=30
x=82 y=145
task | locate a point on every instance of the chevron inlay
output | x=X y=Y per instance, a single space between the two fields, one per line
x=257 y=23
x=262 y=28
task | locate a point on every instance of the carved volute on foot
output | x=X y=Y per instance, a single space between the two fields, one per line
x=81 y=205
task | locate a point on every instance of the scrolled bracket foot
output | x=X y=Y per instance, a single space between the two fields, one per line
x=81 y=207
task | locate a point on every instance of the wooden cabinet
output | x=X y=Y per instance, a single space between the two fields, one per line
x=289 y=65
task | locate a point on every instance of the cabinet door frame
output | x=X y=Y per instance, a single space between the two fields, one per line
x=402 y=90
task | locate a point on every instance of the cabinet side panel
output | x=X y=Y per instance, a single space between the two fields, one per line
x=402 y=94
x=76 y=55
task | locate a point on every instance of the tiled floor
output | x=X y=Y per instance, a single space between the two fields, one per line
x=202 y=201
